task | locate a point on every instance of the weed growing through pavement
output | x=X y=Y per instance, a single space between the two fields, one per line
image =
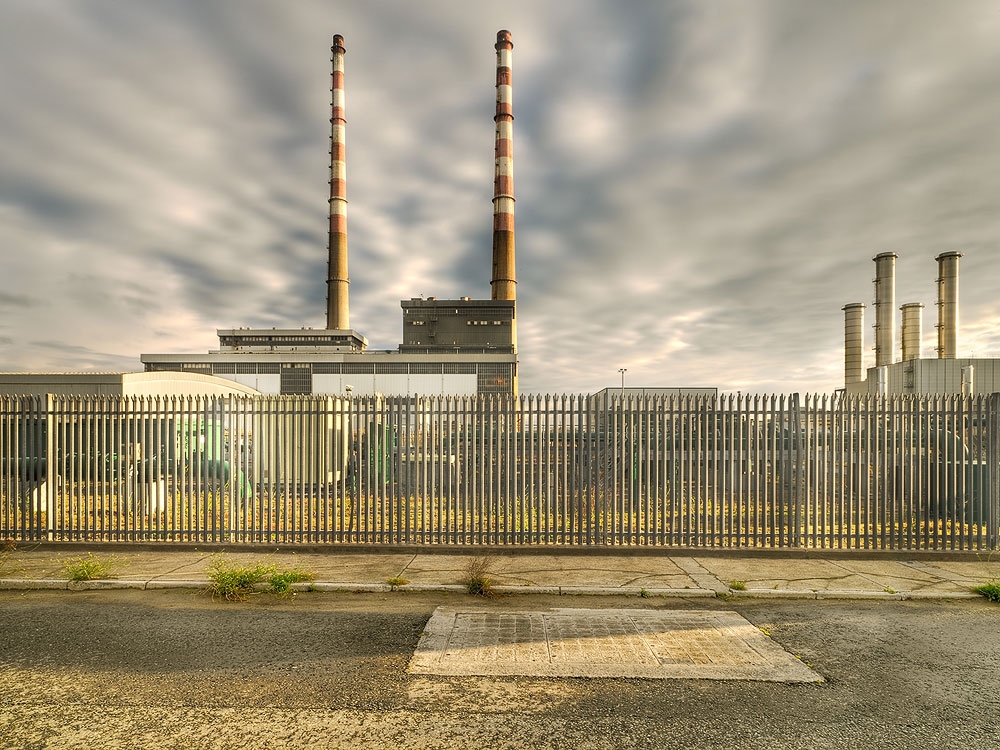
x=738 y=585
x=236 y=582
x=990 y=590
x=643 y=593
x=90 y=567
x=478 y=578
x=396 y=581
x=281 y=582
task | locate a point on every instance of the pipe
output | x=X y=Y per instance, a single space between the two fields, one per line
x=912 y=329
x=337 y=309
x=885 y=307
x=854 y=335
x=504 y=280
x=947 y=302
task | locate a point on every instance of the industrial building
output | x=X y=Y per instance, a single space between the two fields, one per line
x=114 y=384
x=910 y=373
x=457 y=347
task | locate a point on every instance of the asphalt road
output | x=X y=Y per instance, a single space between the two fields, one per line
x=175 y=669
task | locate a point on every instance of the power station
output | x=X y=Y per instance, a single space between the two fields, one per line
x=456 y=347
x=911 y=373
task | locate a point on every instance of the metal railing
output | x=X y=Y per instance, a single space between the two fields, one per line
x=731 y=471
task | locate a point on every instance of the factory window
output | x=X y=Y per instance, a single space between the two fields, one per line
x=495 y=378
x=197 y=367
x=296 y=379
x=224 y=368
x=358 y=368
x=268 y=368
x=416 y=323
x=425 y=368
x=244 y=368
x=327 y=368
x=390 y=368
x=459 y=368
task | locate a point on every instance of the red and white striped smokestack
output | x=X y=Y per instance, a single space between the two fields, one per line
x=504 y=280
x=337 y=311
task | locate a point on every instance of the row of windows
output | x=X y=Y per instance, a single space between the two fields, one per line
x=323 y=368
x=296 y=378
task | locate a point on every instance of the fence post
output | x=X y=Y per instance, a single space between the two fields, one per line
x=50 y=465
x=797 y=444
x=993 y=468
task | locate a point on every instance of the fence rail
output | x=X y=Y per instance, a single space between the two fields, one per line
x=731 y=471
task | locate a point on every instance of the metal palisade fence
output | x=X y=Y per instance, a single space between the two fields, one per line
x=733 y=471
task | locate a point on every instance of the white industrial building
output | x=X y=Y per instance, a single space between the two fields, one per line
x=118 y=384
x=910 y=373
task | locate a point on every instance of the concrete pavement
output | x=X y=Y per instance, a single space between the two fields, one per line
x=693 y=573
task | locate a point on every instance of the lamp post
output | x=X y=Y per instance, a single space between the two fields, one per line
x=623 y=370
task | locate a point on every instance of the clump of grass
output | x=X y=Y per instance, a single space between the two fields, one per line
x=478 y=578
x=990 y=590
x=235 y=582
x=643 y=594
x=90 y=567
x=738 y=585
x=281 y=582
x=396 y=581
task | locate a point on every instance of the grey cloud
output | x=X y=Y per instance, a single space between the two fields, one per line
x=700 y=187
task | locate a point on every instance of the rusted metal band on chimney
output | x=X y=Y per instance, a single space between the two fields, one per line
x=854 y=336
x=337 y=309
x=885 y=307
x=947 y=302
x=504 y=279
x=912 y=329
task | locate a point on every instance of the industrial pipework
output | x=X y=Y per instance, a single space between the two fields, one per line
x=504 y=281
x=947 y=302
x=912 y=329
x=337 y=309
x=854 y=335
x=885 y=307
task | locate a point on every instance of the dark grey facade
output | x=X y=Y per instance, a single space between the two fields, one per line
x=459 y=325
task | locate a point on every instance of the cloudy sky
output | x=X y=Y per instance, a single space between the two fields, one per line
x=701 y=185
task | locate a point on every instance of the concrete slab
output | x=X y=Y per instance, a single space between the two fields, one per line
x=629 y=643
x=793 y=574
x=894 y=576
x=606 y=571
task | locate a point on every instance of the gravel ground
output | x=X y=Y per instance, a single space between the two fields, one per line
x=175 y=669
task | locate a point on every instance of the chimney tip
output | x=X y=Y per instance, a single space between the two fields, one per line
x=503 y=36
x=338 y=41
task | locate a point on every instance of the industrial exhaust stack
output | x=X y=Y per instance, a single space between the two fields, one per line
x=885 y=307
x=947 y=284
x=912 y=329
x=504 y=280
x=337 y=310
x=854 y=335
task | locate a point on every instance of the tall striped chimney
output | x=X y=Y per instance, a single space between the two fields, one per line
x=885 y=307
x=504 y=281
x=337 y=314
x=947 y=302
